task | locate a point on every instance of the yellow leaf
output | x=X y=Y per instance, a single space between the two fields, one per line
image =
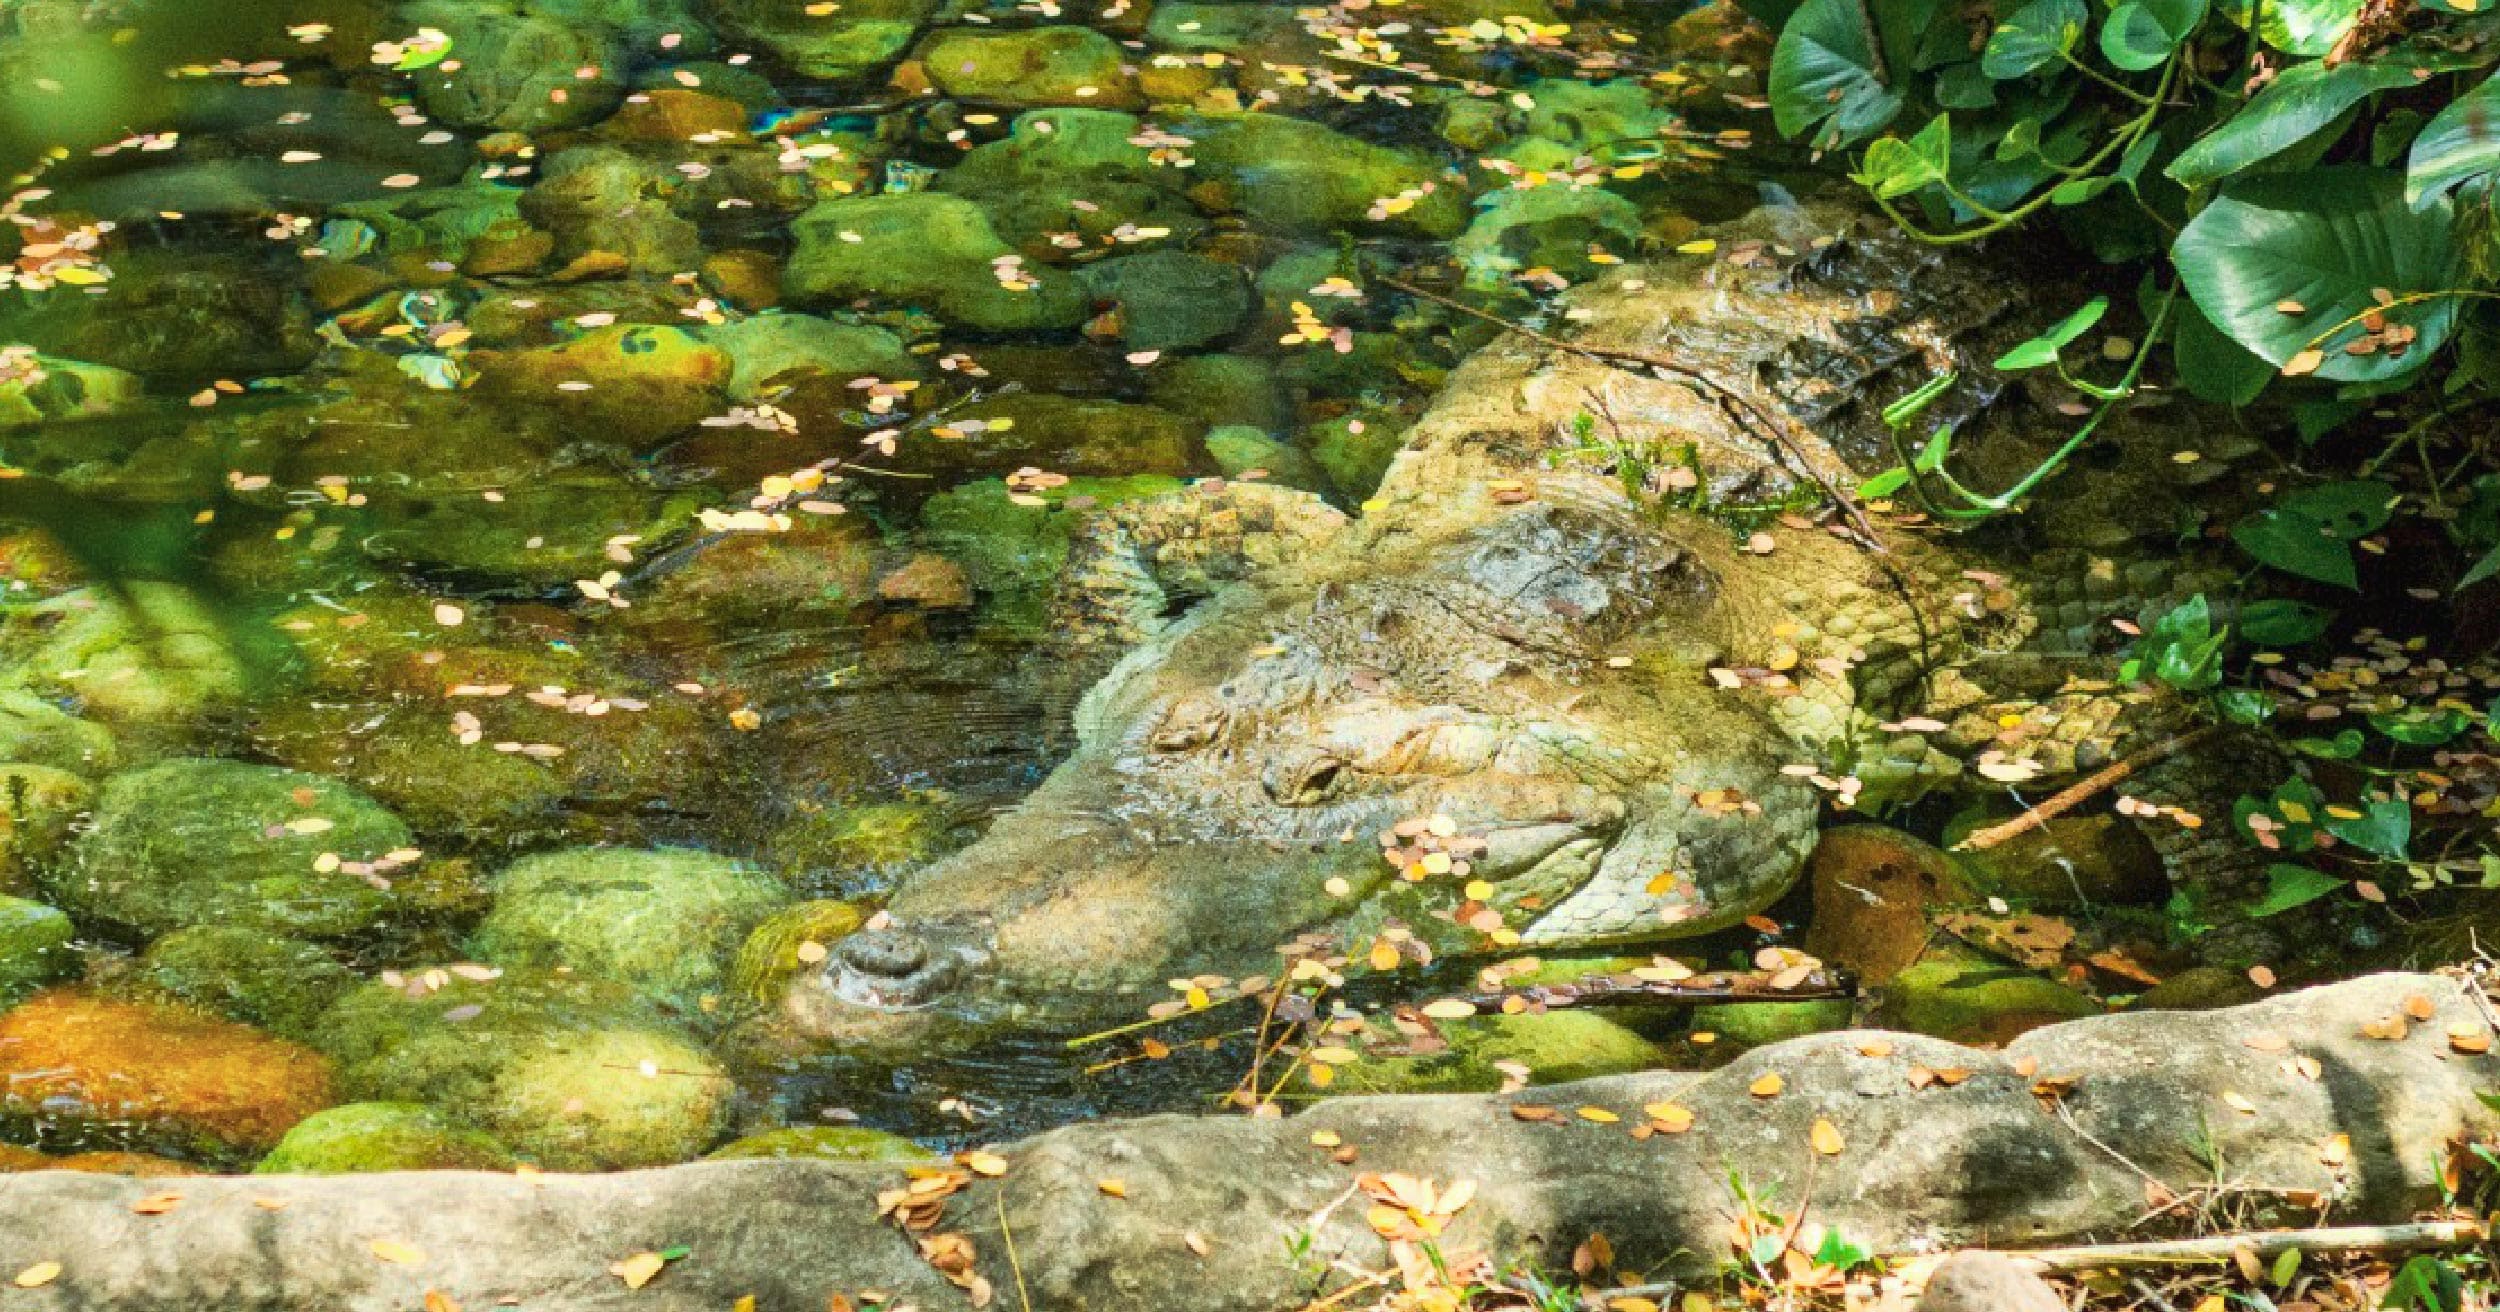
x=392 y=1250
x=1115 y=1188
x=1768 y=1086
x=1449 y=1009
x=1702 y=246
x=1384 y=955
x=636 y=1271
x=745 y=1303
x=77 y=275
x=438 y=1301
x=1599 y=1115
x=2306 y=362
x=1826 y=1138
x=1673 y=1118
x=981 y=1163
x=38 y=1275
x=2212 y=1303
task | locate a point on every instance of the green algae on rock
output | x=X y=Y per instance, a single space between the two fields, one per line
x=1056 y=65
x=247 y=974
x=34 y=948
x=1551 y=1048
x=825 y=1143
x=665 y=921
x=930 y=250
x=787 y=942
x=1965 y=996
x=362 y=1137
x=1014 y=550
x=195 y=841
x=576 y=1074
x=40 y=808
x=860 y=36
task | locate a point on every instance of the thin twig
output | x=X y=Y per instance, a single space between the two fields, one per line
x=1013 y=1264
x=2081 y=791
x=1727 y=398
x=2264 y=1245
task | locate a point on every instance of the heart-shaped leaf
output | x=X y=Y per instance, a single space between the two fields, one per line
x=2298 y=27
x=2289 y=265
x=1895 y=167
x=2303 y=99
x=2140 y=34
x=2033 y=36
x=1823 y=72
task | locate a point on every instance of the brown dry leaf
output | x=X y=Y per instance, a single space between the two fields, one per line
x=2266 y=1043
x=1768 y=1086
x=2306 y=362
x=2261 y=976
x=1825 y=1137
x=392 y=1250
x=981 y=1163
x=1876 y=1048
x=1532 y=1112
x=2469 y=1038
x=38 y=1275
x=2385 y=1027
x=157 y=1204
x=2118 y=963
x=636 y=1271
x=438 y=1301
x=1196 y=1243
x=2335 y=1151
x=2420 y=1007
x=1671 y=1118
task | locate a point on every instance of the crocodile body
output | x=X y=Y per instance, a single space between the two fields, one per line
x=1614 y=721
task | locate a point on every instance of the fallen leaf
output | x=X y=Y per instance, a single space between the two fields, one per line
x=392 y=1250
x=438 y=1301
x=981 y=1163
x=1673 y=1118
x=636 y=1271
x=1114 y=1188
x=1826 y=1138
x=1599 y=1115
x=2336 y=1151
x=1768 y=1086
x=2419 y=1007
x=157 y=1204
x=38 y=1275
x=2469 y=1038
x=2239 y=1104
x=1876 y=1048
x=1449 y=1009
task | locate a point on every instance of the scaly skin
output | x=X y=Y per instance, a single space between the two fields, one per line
x=1504 y=639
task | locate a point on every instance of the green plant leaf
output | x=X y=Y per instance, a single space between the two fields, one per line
x=2421 y=726
x=1884 y=484
x=2483 y=569
x=2328 y=241
x=2275 y=622
x=2032 y=37
x=2140 y=34
x=1823 y=72
x=2042 y=350
x=1895 y=167
x=2384 y=828
x=2243 y=705
x=2298 y=27
x=2296 y=544
x=2303 y=99
x=2289 y=886
x=2460 y=145
x=2344 y=746
x=2213 y=366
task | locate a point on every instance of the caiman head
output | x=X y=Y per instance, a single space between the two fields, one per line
x=1522 y=709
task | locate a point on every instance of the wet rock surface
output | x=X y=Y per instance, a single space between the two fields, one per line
x=1978 y=1161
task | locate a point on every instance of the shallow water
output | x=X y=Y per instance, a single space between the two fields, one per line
x=657 y=423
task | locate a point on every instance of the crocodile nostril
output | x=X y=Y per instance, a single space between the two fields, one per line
x=887 y=952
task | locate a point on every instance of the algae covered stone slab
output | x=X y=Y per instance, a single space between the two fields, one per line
x=926 y=249
x=666 y=921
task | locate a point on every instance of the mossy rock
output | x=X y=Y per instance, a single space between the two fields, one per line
x=1555 y=1047
x=2200 y=988
x=1219 y=390
x=1072 y=170
x=926 y=249
x=823 y=1143
x=1082 y=436
x=666 y=921
x=1309 y=178
x=1239 y=449
x=781 y=947
x=848 y=845
x=766 y=347
x=2096 y=859
x=1171 y=299
x=40 y=810
x=1569 y=119
x=576 y=1074
x=1014 y=552
x=34 y=731
x=638 y=383
x=363 y=1137
x=34 y=948
x=1555 y=227
x=57 y=389
x=194 y=841
x=1874 y=888
x=1355 y=450
x=1056 y=64
x=147 y=655
x=247 y=974
x=607 y=201
x=1957 y=994
x=861 y=36
x=1743 y=1025
x=511 y=64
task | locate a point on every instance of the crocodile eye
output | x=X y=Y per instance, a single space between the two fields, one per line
x=1303 y=780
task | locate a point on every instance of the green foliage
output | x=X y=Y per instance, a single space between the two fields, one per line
x=2183 y=649
x=2310 y=533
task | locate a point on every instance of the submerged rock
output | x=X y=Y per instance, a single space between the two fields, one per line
x=517 y=70
x=34 y=948
x=601 y=200
x=144 y=654
x=36 y=732
x=193 y=842
x=244 y=973
x=1743 y=1025
x=926 y=249
x=766 y=348
x=787 y=942
x=577 y=1074
x=824 y=1143
x=1064 y=434
x=631 y=384
x=1169 y=299
x=40 y=808
x=1013 y=551
x=1075 y=170
x=1310 y=179
x=858 y=37
x=1060 y=64
x=95 y=1069
x=1873 y=889
x=666 y=922
x=1565 y=229
x=360 y=1137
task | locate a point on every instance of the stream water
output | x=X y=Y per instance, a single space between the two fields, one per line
x=523 y=517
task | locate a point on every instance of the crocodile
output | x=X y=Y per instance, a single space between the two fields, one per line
x=1521 y=700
